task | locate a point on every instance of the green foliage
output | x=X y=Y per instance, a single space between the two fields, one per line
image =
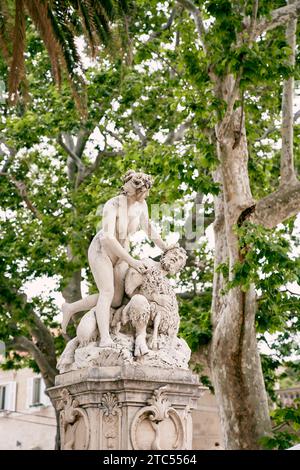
x=279 y=441
x=266 y=259
x=15 y=361
x=286 y=428
x=269 y=367
x=289 y=415
x=163 y=88
x=197 y=368
x=195 y=326
x=291 y=375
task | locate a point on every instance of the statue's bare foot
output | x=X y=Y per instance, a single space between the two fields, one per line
x=107 y=343
x=141 y=347
x=67 y=313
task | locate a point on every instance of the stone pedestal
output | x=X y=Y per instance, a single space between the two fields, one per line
x=126 y=407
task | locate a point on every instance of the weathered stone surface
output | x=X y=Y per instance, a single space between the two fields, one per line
x=130 y=407
x=171 y=353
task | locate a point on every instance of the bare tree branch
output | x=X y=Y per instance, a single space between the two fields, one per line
x=178 y=134
x=71 y=153
x=278 y=206
x=164 y=59
x=230 y=105
x=278 y=17
x=253 y=21
x=165 y=26
x=196 y=13
x=92 y=168
x=21 y=343
x=114 y=135
x=177 y=39
x=42 y=335
x=129 y=41
x=291 y=292
x=272 y=129
x=287 y=171
x=82 y=138
x=139 y=132
x=22 y=190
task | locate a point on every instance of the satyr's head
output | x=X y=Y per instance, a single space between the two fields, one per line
x=173 y=260
x=136 y=184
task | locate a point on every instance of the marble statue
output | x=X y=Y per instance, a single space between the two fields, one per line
x=108 y=254
x=124 y=380
x=149 y=308
x=135 y=313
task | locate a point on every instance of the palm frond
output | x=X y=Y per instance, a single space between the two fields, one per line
x=109 y=7
x=124 y=6
x=38 y=11
x=103 y=33
x=4 y=46
x=108 y=13
x=69 y=57
x=17 y=68
x=6 y=31
x=105 y=13
x=88 y=24
x=58 y=23
x=65 y=40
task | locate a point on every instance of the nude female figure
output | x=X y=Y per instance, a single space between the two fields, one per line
x=108 y=254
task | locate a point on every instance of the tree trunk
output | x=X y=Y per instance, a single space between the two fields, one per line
x=236 y=368
x=72 y=292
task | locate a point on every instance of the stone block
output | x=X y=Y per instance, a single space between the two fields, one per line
x=126 y=407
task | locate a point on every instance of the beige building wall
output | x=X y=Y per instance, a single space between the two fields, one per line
x=206 y=424
x=24 y=426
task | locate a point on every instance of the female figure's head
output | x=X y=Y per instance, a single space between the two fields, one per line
x=136 y=184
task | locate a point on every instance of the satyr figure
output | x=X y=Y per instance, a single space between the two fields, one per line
x=149 y=308
x=109 y=256
x=153 y=300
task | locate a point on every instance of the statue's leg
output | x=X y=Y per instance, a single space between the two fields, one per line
x=138 y=313
x=67 y=358
x=115 y=319
x=140 y=347
x=102 y=270
x=120 y=270
x=69 y=310
x=87 y=330
x=156 y=322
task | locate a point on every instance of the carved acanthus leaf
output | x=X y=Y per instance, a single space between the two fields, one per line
x=110 y=404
